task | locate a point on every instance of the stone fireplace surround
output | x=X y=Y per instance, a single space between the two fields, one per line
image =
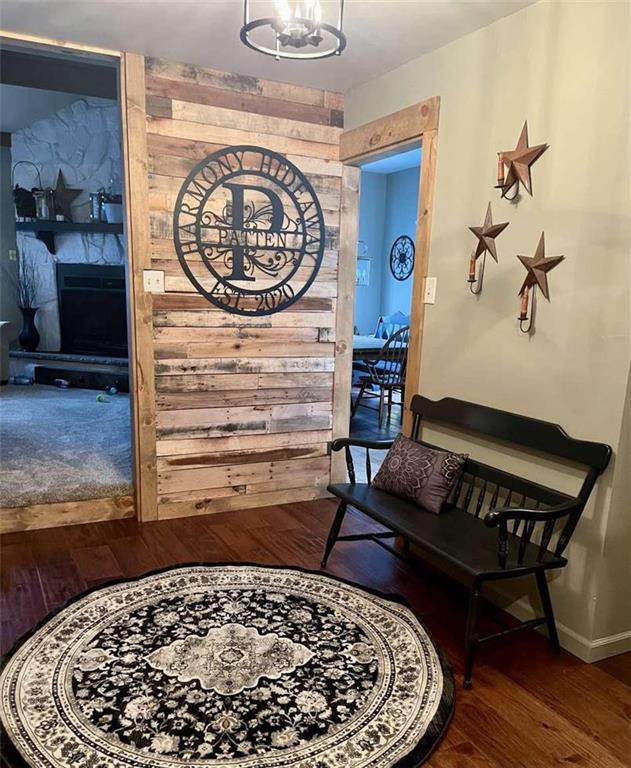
x=82 y=140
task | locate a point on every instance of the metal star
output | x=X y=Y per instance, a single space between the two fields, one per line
x=486 y=235
x=538 y=267
x=64 y=196
x=519 y=161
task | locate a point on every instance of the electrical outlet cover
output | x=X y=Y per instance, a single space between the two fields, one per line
x=153 y=280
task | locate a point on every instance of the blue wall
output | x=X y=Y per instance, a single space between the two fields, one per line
x=372 y=211
x=388 y=208
x=400 y=219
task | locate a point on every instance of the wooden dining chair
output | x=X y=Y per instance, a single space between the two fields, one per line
x=389 y=324
x=386 y=373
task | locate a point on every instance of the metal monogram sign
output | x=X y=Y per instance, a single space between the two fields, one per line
x=249 y=230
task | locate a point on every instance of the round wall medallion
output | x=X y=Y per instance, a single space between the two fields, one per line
x=402 y=257
x=249 y=230
x=226 y=665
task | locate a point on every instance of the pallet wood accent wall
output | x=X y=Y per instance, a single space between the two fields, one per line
x=243 y=405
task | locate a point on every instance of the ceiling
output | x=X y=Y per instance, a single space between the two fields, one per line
x=21 y=107
x=382 y=34
x=399 y=162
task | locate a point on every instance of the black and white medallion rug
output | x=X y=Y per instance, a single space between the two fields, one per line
x=226 y=666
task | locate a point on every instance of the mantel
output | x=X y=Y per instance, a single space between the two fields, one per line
x=46 y=230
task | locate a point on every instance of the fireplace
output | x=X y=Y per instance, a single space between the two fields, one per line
x=92 y=309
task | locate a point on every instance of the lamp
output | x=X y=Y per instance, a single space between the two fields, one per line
x=296 y=31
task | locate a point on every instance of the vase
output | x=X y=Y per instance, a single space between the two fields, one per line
x=29 y=336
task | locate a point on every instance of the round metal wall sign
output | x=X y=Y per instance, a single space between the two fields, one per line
x=402 y=257
x=249 y=230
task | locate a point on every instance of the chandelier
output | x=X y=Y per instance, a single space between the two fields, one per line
x=296 y=31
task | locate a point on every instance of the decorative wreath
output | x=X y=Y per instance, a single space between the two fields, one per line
x=402 y=257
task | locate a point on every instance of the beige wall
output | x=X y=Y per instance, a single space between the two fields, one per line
x=563 y=66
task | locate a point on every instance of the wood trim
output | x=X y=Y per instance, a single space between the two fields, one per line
x=398 y=128
x=35 y=516
x=139 y=259
x=61 y=44
x=342 y=380
x=423 y=231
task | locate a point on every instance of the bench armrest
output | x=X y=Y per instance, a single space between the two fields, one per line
x=347 y=442
x=504 y=514
x=343 y=442
x=501 y=516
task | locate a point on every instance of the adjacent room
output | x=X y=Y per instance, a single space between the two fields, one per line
x=388 y=218
x=65 y=422
x=315 y=392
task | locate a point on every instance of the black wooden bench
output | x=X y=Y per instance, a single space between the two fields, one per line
x=499 y=526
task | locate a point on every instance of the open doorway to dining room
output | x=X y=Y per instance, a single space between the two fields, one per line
x=65 y=410
x=388 y=218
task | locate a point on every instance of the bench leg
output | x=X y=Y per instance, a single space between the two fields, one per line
x=333 y=533
x=544 y=594
x=470 y=640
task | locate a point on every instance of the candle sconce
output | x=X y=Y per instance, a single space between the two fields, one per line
x=537 y=267
x=476 y=276
x=486 y=235
x=513 y=167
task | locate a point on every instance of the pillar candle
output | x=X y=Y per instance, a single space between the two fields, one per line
x=523 y=311
x=500 y=170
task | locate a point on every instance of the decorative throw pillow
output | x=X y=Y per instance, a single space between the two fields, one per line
x=421 y=474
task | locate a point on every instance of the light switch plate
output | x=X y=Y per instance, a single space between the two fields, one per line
x=429 y=295
x=153 y=280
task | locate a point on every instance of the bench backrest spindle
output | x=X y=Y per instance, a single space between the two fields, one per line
x=511 y=490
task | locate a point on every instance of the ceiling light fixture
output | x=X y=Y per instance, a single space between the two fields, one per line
x=296 y=31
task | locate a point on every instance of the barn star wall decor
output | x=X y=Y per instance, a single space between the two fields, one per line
x=64 y=197
x=485 y=235
x=537 y=268
x=513 y=166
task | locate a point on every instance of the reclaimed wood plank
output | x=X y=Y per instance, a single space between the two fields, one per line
x=241 y=397
x=213 y=134
x=202 y=446
x=243 y=365
x=244 y=102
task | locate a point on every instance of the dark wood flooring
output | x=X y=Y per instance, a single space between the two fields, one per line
x=527 y=708
x=365 y=423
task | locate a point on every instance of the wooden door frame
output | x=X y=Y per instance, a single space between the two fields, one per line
x=131 y=92
x=386 y=135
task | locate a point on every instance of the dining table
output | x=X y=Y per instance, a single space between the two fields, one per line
x=367 y=347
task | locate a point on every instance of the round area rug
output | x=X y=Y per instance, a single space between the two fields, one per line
x=213 y=666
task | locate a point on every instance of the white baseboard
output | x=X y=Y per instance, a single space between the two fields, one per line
x=586 y=650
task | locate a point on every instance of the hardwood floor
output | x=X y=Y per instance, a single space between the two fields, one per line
x=527 y=708
x=365 y=423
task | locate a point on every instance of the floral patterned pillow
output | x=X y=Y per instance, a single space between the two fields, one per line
x=421 y=474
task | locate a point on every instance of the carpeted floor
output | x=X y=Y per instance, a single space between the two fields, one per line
x=62 y=445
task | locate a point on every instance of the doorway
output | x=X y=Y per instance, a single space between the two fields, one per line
x=388 y=212
x=65 y=411
x=409 y=128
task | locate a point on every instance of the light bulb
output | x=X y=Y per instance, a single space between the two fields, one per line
x=283 y=10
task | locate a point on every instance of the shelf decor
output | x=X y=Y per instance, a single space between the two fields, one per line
x=518 y=162
x=402 y=257
x=537 y=267
x=64 y=197
x=362 y=272
x=485 y=234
